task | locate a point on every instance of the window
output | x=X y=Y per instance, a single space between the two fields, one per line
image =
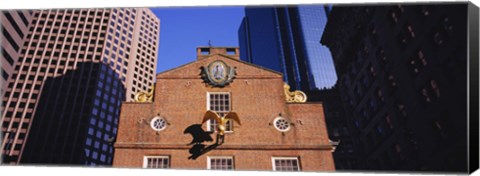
x=156 y=162
x=158 y=124
x=435 y=88
x=89 y=141
x=281 y=124
x=205 y=51
x=7 y=56
x=220 y=163
x=13 y=24
x=285 y=164
x=5 y=75
x=231 y=51
x=220 y=103
x=10 y=40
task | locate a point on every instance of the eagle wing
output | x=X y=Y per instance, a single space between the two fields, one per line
x=233 y=116
x=211 y=115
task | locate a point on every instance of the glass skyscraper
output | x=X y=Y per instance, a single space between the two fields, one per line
x=286 y=39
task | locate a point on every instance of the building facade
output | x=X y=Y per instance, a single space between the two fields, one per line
x=285 y=39
x=403 y=84
x=270 y=133
x=337 y=125
x=76 y=67
x=14 y=27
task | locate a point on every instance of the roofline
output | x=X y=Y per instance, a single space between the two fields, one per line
x=176 y=68
x=218 y=47
x=248 y=63
x=308 y=102
x=226 y=56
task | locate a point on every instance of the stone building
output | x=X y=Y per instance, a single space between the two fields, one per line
x=273 y=133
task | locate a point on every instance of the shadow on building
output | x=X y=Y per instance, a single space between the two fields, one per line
x=199 y=137
x=76 y=118
x=338 y=126
x=403 y=84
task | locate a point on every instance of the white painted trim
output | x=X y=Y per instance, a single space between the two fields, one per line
x=153 y=120
x=282 y=118
x=285 y=158
x=209 y=166
x=208 y=108
x=145 y=159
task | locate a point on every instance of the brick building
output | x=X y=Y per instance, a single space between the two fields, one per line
x=274 y=134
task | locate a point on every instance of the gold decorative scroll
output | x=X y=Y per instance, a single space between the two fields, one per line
x=295 y=96
x=144 y=96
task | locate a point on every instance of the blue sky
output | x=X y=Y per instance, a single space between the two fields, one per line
x=182 y=30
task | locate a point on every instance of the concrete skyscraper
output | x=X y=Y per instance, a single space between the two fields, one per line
x=76 y=67
x=14 y=27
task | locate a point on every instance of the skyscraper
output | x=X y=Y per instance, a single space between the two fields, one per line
x=76 y=67
x=14 y=27
x=285 y=39
x=403 y=83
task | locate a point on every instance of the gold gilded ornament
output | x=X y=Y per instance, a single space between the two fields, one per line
x=221 y=121
x=295 y=96
x=144 y=96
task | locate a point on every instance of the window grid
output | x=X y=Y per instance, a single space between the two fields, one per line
x=220 y=163
x=220 y=103
x=286 y=164
x=157 y=162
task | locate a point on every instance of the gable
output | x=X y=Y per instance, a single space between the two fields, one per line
x=243 y=69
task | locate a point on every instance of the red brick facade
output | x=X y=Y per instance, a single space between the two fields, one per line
x=257 y=96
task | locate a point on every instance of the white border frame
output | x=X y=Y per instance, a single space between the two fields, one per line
x=208 y=108
x=278 y=118
x=209 y=166
x=155 y=118
x=146 y=157
x=286 y=157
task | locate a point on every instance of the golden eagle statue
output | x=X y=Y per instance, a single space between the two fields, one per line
x=221 y=121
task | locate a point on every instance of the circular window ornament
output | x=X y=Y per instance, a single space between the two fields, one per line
x=282 y=124
x=158 y=123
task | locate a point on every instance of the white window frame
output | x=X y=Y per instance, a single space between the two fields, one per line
x=209 y=160
x=153 y=121
x=208 y=108
x=286 y=120
x=286 y=158
x=145 y=160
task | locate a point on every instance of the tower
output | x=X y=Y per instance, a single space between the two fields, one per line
x=403 y=84
x=285 y=39
x=14 y=27
x=76 y=67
